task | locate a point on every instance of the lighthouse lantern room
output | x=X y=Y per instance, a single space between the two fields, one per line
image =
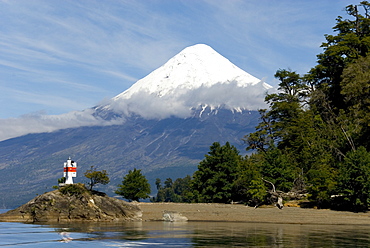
x=70 y=170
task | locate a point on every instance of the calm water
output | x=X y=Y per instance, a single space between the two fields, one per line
x=191 y=234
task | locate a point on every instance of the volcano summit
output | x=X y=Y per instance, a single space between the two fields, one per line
x=197 y=77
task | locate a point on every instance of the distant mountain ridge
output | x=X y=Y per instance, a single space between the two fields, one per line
x=162 y=125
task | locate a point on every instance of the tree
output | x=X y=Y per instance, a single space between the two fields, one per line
x=356 y=93
x=354 y=184
x=351 y=42
x=134 y=186
x=96 y=177
x=315 y=124
x=213 y=181
x=177 y=191
x=249 y=185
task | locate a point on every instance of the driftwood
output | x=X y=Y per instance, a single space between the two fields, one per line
x=275 y=195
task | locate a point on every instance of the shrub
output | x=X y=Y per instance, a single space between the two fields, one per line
x=73 y=189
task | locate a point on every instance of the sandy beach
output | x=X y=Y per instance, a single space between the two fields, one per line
x=242 y=213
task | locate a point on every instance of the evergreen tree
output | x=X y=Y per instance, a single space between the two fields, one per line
x=354 y=184
x=213 y=181
x=134 y=186
x=177 y=191
x=356 y=94
x=182 y=189
x=249 y=186
x=351 y=42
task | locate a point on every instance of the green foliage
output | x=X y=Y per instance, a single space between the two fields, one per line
x=353 y=182
x=178 y=191
x=96 y=177
x=279 y=168
x=315 y=123
x=351 y=42
x=73 y=189
x=263 y=137
x=321 y=183
x=134 y=186
x=62 y=180
x=213 y=181
x=356 y=94
x=249 y=186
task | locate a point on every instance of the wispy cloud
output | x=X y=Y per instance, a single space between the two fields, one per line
x=41 y=123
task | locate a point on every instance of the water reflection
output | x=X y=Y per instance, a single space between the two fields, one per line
x=105 y=231
x=221 y=234
x=281 y=235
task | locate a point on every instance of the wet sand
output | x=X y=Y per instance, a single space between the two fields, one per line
x=242 y=213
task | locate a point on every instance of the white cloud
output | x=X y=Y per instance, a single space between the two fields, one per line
x=147 y=105
x=227 y=95
x=41 y=123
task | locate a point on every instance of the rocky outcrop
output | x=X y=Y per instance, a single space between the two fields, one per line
x=83 y=205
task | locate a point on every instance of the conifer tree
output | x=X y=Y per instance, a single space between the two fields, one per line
x=213 y=181
x=134 y=186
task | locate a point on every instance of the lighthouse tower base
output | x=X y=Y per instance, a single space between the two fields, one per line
x=69 y=180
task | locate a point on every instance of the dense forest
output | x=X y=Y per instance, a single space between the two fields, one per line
x=313 y=140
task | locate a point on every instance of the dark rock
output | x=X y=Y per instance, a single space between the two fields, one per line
x=55 y=206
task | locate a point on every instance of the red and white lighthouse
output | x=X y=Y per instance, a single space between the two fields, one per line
x=70 y=170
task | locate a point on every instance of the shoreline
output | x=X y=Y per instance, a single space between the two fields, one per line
x=241 y=213
x=238 y=213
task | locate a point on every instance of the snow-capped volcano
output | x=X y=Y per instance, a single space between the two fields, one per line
x=196 y=77
x=194 y=67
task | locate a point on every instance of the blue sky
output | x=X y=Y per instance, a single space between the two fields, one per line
x=59 y=56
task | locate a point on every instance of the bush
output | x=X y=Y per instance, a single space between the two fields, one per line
x=73 y=189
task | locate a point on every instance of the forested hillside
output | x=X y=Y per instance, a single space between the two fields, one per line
x=316 y=131
x=313 y=138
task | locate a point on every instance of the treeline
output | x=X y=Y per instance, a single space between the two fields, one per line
x=313 y=138
x=224 y=176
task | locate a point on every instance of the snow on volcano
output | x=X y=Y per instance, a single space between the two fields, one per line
x=197 y=77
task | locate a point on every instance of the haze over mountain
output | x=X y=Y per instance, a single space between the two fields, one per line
x=163 y=124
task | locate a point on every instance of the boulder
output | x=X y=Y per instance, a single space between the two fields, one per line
x=173 y=216
x=64 y=206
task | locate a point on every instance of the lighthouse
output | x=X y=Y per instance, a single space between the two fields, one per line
x=70 y=170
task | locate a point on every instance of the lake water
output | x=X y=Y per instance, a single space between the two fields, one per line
x=188 y=234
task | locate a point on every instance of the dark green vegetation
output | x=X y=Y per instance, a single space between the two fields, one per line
x=74 y=189
x=177 y=191
x=314 y=138
x=222 y=177
x=96 y=177
x=134 y=186
x=317 y=127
